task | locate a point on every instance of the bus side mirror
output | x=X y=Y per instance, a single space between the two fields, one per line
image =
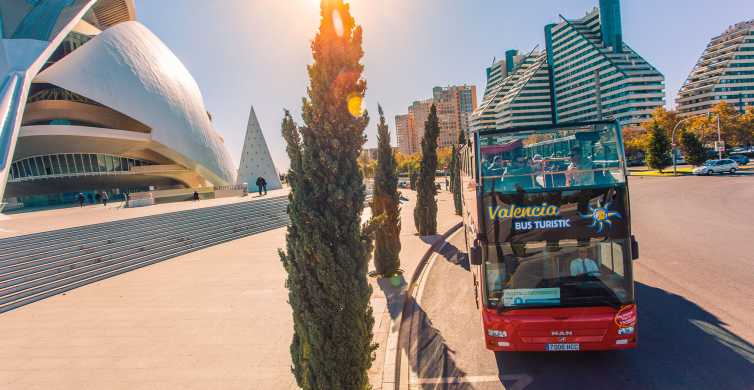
x=634 y=248
x=475 y=257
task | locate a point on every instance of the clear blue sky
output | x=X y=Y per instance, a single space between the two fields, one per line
x=244 y=52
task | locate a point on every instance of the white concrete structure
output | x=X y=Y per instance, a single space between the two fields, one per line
x=112 y=109
x=29 y=34
x=256 y=160
x=128 y=69
x=724 y=73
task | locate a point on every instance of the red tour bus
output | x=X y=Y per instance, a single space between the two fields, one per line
x=548 y=231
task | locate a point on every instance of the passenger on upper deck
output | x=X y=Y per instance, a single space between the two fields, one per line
x=580 y=170
x=518 y=175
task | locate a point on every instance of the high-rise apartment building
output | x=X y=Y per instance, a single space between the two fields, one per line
x=418 y=112
x=596 y=75
x=454 y=105
x=586 y=72
x=724 y=73
x=404 y=133
x=525 y=95
x=497 y=76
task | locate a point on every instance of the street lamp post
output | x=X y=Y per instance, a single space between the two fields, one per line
x=672 y=137
x=719 y=140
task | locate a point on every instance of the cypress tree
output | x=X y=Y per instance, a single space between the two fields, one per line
x=455 y=174
x=693 y=148
x=658 y=149
x=425 y=213
x=327 y=250
x=455 y=180
x=385 y=205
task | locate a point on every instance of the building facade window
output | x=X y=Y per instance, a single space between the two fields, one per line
x=71 y=164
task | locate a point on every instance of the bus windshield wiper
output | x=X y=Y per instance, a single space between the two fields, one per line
x=606 y=300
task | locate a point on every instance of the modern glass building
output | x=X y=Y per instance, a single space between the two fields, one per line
x=526 y=96
x=724 y=73
x=104 y=106
x=498 y=84
x=586 y=72
x=596 y=75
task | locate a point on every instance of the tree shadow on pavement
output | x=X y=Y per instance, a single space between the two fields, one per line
x=448 y=251
x=393 y=294
x=430 y=239
x=681 y=346
x=430 y=358
x=453 y=255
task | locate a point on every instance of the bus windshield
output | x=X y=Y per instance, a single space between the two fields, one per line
x=546 y=159
x=557 y=273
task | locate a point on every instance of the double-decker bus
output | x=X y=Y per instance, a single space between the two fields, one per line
x=548 y=230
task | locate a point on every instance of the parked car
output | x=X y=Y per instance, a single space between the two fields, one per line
x=717 y=166
x=635 y=161
x=740 y=159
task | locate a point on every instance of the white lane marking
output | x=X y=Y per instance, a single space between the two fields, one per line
x=520 y=381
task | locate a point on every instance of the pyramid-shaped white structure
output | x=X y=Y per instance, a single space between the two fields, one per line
x=256 y=159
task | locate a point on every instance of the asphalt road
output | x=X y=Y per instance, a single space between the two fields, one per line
x=695 y=289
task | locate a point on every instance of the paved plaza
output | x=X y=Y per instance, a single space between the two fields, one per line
x=217 y=318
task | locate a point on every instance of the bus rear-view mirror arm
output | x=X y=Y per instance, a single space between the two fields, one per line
x=475 y=257
x=634 y=248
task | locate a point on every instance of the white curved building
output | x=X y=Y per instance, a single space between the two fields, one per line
x=111 y=109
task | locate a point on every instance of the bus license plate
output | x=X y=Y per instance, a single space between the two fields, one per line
x=562 y=347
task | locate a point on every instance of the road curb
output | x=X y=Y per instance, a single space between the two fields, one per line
x=393 y=376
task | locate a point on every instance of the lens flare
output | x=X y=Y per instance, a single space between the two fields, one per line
x=355 y=105
x=337 y=22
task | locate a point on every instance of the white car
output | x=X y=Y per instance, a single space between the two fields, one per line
x=717 y=166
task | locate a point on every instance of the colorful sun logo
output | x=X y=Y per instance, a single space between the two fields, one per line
x=600 y=216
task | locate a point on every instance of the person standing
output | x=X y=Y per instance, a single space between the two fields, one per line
x=105 y=198
x=195 y=196
x=81 y=200
x=261 y=185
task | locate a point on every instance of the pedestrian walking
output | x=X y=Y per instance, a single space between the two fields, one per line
x=261 y=185
x=105 y=198
x=81 y=199
x=195 y=196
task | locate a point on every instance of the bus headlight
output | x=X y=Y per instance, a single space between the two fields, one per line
x=626 y=330
x=497 y=333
